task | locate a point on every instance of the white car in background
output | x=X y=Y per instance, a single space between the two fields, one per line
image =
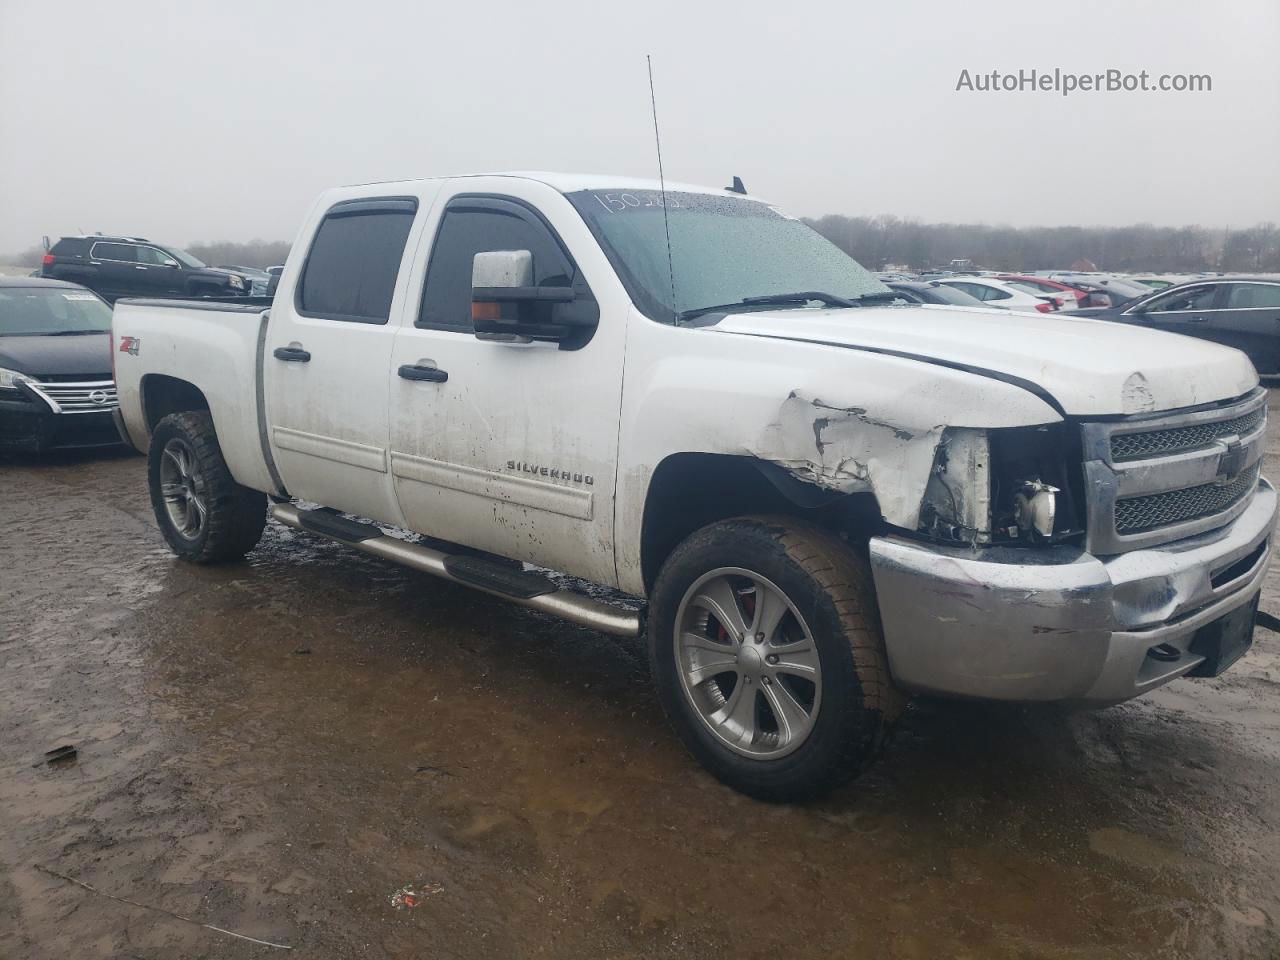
x=1000 y=293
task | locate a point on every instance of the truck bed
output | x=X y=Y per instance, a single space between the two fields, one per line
x=183 y=339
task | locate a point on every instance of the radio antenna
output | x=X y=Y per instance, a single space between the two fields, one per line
x=662 y=185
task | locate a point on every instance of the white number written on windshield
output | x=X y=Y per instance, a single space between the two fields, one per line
x=620 y=202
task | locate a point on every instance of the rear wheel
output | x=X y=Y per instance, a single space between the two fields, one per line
x=768 y=656
x=205 y=516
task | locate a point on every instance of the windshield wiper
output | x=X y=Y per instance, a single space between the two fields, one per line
x=73 y=333
x=804 y=296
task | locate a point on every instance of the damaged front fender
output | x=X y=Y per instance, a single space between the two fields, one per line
x=848 y=450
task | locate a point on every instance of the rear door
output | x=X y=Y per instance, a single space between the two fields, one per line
x=117 y=267
x=328 y=352
x=1251 y=319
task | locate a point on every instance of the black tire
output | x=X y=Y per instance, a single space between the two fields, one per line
x=830 y=586
x=234 y=516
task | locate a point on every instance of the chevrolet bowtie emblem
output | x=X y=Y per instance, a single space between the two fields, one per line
x=1231 y=462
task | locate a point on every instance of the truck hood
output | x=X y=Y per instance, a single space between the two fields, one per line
x=1086 y=367
x=86 y=354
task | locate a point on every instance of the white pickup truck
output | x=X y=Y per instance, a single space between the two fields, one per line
x=826 y=499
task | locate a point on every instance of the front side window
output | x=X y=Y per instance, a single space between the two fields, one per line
x=351 y=269
x=1253 y=296
x=151 y=255
x=480 y=225
x=1197 y=298
x=722 y=250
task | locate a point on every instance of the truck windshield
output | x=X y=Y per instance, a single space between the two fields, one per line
x=45 y=311
x=723 y=250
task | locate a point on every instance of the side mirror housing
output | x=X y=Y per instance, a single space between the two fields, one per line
x=507 y=306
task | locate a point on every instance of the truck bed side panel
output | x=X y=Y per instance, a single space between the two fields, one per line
x=212 y=346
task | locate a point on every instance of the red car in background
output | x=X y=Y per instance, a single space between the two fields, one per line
x=1066 y=297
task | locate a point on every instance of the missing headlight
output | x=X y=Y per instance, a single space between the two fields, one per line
x=1011 y=485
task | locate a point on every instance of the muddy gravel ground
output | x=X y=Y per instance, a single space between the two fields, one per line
x=277 y=747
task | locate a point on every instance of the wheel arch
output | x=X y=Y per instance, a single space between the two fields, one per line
x=163 y=395
x=688 y=491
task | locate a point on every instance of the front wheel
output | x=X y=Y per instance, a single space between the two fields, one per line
x=205 y=516
x=769 y=659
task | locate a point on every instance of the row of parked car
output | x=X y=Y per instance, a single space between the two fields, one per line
x=1237 y=311
x=1031 y=293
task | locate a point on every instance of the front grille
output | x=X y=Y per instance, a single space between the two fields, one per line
x=1139 y=446
x=1137 y=514
x=92 y=396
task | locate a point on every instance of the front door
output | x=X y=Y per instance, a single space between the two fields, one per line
x=1188 y=310
x=509 y=447
x=162 y=275
x=327 y=356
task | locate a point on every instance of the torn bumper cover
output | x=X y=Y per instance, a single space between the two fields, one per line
x=1057 y=623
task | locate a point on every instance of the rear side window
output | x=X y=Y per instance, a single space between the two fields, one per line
x=476 y=225
x=123 y=252
x=70 y=247
x=351 y=269
x=1254 y=296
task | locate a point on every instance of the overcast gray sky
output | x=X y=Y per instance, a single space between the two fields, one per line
x=221 y=121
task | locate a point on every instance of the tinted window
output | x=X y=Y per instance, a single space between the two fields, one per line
x=70 y=247
x=1253 y=296
x=153 y=256
x=945 y=294
x=972 y=289
x=991 y=293
x=466 y=231
x=351 y=269
x=1197 y=298
x=115 y=251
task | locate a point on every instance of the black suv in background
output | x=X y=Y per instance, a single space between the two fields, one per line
x=117 y=267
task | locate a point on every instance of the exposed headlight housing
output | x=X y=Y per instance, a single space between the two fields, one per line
x=237 y=281
x=1021 y=484
x=9 y=379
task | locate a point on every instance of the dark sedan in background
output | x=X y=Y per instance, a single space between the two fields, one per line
x=1240 y=312
x=56 y=388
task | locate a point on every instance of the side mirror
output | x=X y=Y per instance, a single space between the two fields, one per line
x=506 y=306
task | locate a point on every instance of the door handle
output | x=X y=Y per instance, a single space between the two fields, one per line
x=414 y=371
x=291 y=354
x=1197 y=319
x=139 y=267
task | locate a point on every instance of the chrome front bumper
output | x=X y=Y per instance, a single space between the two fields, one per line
x=1017 y=623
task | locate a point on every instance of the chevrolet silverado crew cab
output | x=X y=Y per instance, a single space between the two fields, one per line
x=813 y=499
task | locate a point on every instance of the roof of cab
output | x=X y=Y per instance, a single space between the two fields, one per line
x=573 y=182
